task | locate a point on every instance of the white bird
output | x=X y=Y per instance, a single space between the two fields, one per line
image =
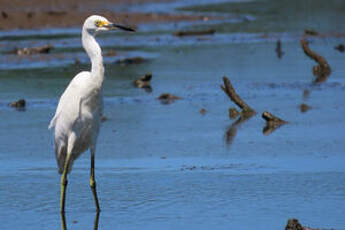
x=77 y=119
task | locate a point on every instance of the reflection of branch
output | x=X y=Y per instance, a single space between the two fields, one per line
x=322 y=70
x=229 y=90
x=231 y=131
x=272 y=122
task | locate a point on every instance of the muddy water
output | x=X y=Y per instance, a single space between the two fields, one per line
x=169 y=166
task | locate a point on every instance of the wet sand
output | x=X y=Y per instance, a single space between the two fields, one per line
x=46 y=14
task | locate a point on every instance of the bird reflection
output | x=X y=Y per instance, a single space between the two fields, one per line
x=231 y=131
x=64 y=225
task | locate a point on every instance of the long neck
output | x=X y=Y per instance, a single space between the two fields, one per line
x=95 y=54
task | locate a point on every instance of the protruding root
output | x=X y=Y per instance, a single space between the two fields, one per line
x=229 y=90
x=279 y=51
x=272 y=122
x=322 y=70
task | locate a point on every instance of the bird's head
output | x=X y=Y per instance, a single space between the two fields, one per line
x=97 y=23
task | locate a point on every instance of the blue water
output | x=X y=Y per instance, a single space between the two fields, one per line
x=169 y=166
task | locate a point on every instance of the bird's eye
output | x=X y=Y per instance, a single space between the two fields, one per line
x=98 y=23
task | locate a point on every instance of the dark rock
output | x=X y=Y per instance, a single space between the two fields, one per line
x=203 y=111
x=340 y=48
x=304 y=107
x=167 y=98
x=18 y=104
x=293 y=224
x=144 y=82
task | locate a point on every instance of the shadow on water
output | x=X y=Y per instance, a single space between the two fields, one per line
x=64 y=223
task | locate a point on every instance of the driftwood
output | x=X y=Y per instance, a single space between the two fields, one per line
x=194 y=33
x=129 y=61
x=279 y=51
x=322 y=70
x=167 y=98
x=272 y=122
x=33 y=50
x=144 y=82
x=229 y=90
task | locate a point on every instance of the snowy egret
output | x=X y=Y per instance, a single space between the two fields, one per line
x=77 y=119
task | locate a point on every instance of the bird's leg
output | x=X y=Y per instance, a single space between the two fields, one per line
x=63 y=221
x=92 y=179
x=64 y=183
x=95 y=224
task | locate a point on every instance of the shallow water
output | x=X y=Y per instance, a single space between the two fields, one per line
x=168 y=166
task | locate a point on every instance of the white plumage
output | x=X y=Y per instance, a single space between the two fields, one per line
x=78 y=115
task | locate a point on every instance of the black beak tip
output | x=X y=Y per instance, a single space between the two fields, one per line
x=125 y=28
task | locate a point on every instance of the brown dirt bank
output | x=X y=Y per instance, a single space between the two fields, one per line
x=34 y=14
